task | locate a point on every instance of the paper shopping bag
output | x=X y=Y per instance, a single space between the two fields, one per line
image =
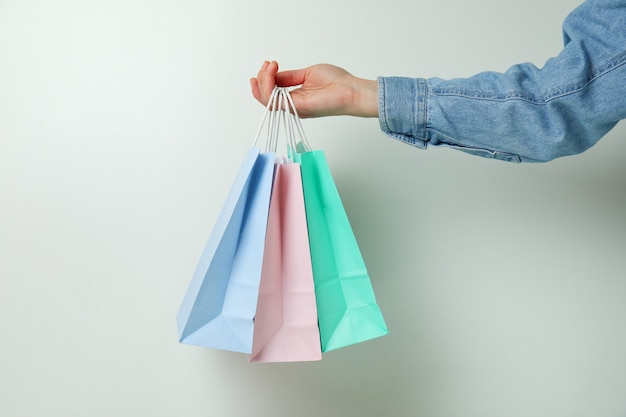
x=346 y=305
x=285 y=326
x=218 y=309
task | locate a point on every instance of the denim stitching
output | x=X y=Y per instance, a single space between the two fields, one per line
x=557 y=92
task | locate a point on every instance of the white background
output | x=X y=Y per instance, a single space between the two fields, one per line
x=122 y=125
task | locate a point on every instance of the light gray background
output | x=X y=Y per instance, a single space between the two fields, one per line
x=122 y=125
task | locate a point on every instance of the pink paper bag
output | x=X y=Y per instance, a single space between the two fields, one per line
x=285 y=325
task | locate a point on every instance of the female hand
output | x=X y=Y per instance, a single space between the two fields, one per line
x=325 y=90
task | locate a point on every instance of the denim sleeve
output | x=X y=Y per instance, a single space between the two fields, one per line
x=526 y=114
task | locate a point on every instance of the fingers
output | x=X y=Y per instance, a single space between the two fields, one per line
x=264 y=82
x=256 y=90
x=269 y=77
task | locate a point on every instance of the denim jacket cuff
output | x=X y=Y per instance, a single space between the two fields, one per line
x=402 y=105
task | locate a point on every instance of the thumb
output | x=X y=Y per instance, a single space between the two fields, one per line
x=291 y=78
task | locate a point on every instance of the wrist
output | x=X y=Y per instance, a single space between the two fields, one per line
x=367 y=98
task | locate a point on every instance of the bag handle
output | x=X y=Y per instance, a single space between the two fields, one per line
x=269 y=117
x=295 y=121
x=281 y=109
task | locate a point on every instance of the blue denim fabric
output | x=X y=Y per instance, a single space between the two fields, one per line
x=526 y=114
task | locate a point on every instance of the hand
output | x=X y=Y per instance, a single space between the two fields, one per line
x=325 y=90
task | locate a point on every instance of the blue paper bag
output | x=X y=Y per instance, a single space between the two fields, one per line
x=219 y=307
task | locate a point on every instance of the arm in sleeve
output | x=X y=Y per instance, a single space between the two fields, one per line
x=526 y=114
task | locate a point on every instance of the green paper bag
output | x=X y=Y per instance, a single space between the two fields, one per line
x=346 y=305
